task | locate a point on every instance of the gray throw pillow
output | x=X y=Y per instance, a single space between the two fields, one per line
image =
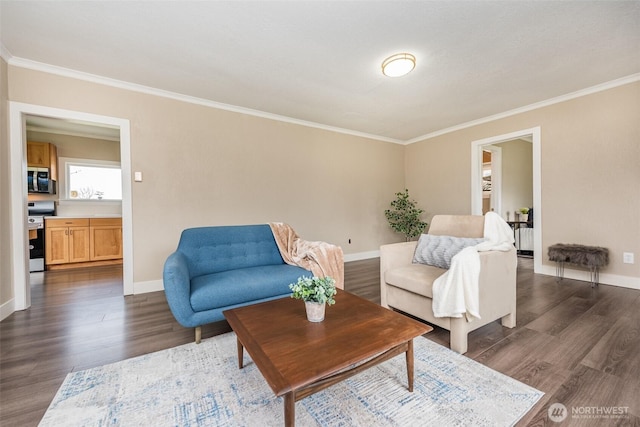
x=438 y=250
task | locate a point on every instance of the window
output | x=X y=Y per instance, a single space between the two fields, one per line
x=92 y=180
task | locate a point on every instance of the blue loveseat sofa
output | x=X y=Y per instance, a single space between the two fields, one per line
x=223 y=267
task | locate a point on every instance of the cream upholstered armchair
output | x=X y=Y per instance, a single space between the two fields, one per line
x=408 y=287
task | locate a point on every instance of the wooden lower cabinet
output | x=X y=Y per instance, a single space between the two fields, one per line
x=80 y=242
x=66 y=241
x=56 y=250
x=106 y=238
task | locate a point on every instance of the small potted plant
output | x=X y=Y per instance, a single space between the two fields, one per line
x=524 y=214
x=316 y=292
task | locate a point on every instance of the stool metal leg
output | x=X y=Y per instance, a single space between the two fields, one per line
x=595 y=276
x=560 y=270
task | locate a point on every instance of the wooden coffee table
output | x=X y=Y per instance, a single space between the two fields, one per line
x=298 y=358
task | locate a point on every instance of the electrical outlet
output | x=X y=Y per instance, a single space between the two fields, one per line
x=349 y=241
x=627 y=258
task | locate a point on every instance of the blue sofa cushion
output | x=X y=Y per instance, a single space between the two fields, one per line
x=231 y=287
x=216 y=249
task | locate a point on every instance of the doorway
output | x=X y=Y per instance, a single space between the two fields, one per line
x=18 y=113
x=491 y=179
x=477 y=148
x=90 y=154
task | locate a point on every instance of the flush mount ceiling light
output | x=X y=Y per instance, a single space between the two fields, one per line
x=398 y=65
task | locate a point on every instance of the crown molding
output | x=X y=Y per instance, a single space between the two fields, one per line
x=4 y=53
x=66 y=72
x=562 y=98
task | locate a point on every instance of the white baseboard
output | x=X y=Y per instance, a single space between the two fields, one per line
x=605 y=279
x=361 y=255
x=7 y=309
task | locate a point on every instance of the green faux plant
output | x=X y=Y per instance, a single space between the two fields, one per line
x=404 y=217
x=314 y=289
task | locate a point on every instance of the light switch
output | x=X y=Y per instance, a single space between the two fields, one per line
x=137 y=176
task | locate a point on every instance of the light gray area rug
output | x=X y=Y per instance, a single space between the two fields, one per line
x=201 y=385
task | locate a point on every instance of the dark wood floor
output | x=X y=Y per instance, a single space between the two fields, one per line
x=579 y=345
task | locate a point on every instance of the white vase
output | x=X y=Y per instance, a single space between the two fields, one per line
x=315 y=311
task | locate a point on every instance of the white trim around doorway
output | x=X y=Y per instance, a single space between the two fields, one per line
x=476 y=188
x=18 y=175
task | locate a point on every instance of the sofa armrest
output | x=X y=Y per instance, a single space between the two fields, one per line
x=392 y=256
x=177 y=288
x=497 y=283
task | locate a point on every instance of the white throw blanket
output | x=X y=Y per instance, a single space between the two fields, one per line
x=456 y=292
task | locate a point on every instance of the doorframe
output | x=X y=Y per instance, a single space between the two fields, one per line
x=18 y=183
x=476 y=182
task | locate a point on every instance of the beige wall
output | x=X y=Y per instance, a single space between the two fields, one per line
x=6 y=288
x=590 y=167
x=79 y=147
x=517 y=176
x=205 y=166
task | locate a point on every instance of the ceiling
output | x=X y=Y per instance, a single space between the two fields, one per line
x=319 y=61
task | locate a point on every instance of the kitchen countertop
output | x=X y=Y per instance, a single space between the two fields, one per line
x=83 y=216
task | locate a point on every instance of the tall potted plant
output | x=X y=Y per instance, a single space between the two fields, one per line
x=404 y=217
x=317 y=293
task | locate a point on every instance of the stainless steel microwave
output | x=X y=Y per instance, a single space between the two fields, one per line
x=39 y=181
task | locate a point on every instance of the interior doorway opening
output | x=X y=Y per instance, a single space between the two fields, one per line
x=506 y=208
x=491 y=179
x=18 y=113
x=487 y=206
x=88 y=184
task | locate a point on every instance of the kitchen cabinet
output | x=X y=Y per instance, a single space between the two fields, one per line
x=66 y=241
x=105 y=238
x=82 y=242
x=43 y=155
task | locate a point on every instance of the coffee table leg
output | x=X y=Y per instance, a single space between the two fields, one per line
x=240 y=353
x=290 y=409
x=410 y=364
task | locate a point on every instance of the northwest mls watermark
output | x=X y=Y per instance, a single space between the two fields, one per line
x=558 y=412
